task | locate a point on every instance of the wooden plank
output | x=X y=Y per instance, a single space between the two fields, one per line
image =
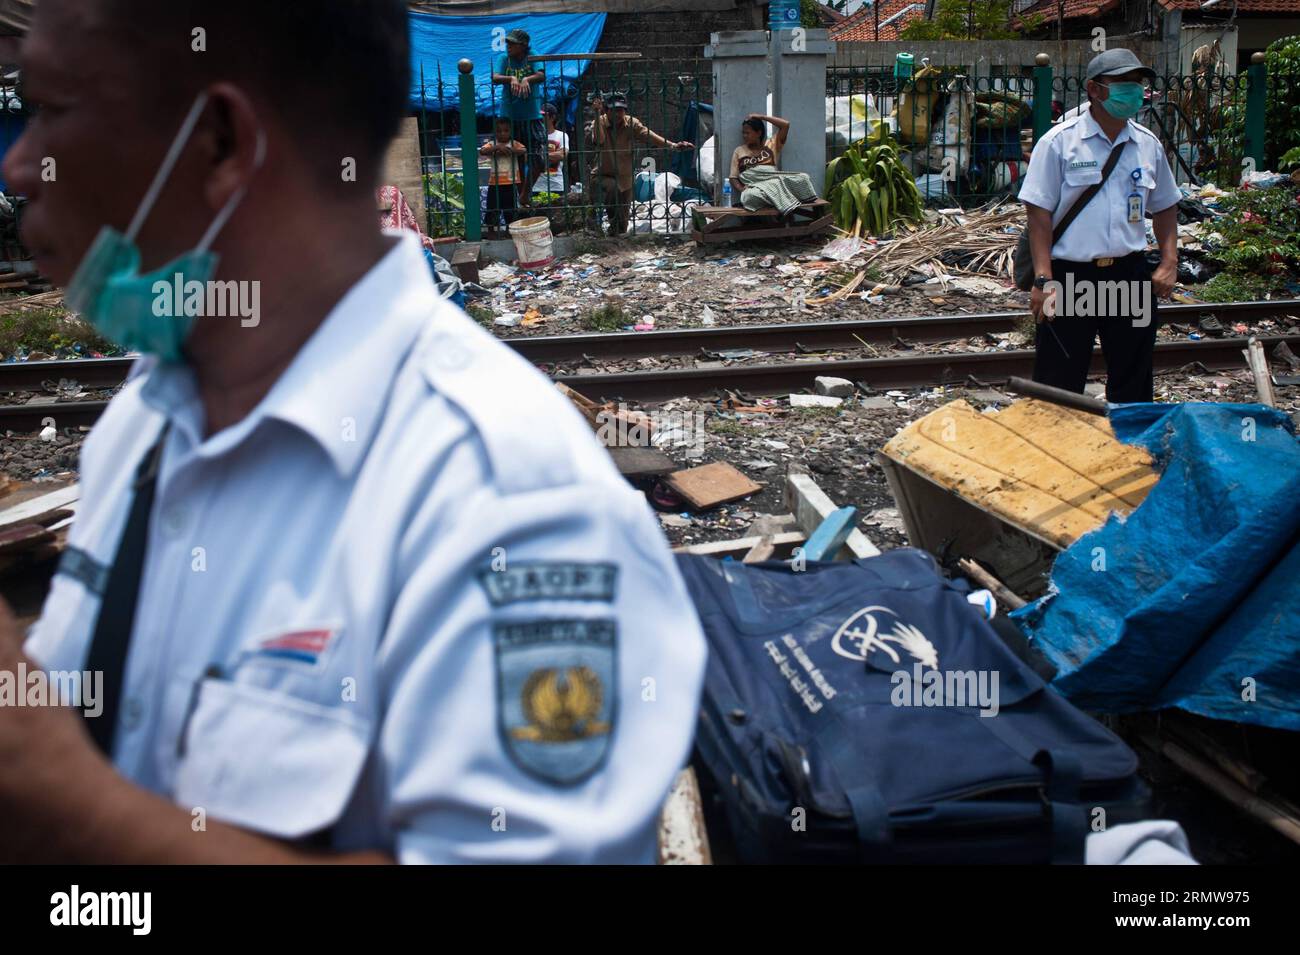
x=641 y=462
x=825 y=542
x=811 y=505
x=27 y=511
x=711 y=484
x=465 y=260
x=1036 y=465
x=683 y=840
x=784 y=232
x=782 y=543
x=767 y=527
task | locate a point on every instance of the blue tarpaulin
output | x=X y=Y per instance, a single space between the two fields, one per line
x=1193 y=600
x=439 y=42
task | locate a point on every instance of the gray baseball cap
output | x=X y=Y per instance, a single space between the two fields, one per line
x=1116 y=61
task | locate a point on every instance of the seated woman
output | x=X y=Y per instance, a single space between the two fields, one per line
x=756 y=149
x=755 y=176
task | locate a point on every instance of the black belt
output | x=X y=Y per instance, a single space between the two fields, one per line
x=1101 y=263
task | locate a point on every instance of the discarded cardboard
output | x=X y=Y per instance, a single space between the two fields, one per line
x=711 y=485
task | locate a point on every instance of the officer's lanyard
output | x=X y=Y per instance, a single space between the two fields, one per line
x=1135 y=198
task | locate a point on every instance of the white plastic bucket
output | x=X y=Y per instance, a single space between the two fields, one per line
x=533 y=242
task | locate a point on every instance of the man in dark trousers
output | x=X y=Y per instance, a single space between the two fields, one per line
x=1094 y=278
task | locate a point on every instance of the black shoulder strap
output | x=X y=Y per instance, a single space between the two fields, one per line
x=1086 y=196
x=112 y=637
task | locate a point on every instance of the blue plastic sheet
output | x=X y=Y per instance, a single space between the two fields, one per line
x=1193 y=601
x=439 y=43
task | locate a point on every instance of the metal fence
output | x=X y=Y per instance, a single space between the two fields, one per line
x=675 y=104
x=13 y=119
x=967 y=137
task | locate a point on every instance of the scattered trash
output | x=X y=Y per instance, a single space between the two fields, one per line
x=841 y=250
x=815 y=401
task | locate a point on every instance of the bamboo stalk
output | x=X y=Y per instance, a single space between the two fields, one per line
x=1005 y=595
x=1224 y=786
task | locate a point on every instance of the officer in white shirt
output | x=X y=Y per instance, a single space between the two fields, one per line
x=349 y=580
x=1094 y=279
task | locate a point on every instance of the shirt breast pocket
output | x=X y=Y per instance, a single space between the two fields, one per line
x=268 y=761
x=1082 y=176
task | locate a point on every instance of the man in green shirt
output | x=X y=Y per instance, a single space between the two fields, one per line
x=520 y=101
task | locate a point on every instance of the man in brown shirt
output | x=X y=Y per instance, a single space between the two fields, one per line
x=613 y=134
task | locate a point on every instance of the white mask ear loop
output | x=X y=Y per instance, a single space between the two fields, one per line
x=168 y=164
x=235 y=199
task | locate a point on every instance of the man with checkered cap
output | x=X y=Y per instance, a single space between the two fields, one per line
x=1092 y=278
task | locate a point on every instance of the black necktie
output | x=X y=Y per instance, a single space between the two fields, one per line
x=112 y=638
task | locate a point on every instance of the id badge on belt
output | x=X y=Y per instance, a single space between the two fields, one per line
x=1135 y=199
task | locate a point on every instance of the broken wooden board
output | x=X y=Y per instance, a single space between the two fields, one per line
x=634 y=463
x=683 y=840
x=33 y=504
x=811 y=505
x=1055 y=472
x=710 y=485
x=465 y=260
x=782 y=543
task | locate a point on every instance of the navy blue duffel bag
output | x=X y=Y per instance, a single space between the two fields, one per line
x=842 y=722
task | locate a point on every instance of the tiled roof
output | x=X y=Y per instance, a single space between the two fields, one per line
x=1083 y=9
x=1074 y=9
x=894 y=15
x=1243 y=6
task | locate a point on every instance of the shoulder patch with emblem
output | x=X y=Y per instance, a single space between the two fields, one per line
x=549 y=580
x=557 y=695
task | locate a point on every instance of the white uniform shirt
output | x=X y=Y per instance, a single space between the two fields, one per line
x=444 y=625
x=1070 y=157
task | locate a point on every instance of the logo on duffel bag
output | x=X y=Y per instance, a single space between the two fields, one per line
x=860 y=634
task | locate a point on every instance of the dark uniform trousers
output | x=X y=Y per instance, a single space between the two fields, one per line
x=1064 y=358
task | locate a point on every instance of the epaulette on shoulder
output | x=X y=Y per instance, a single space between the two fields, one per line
x=518 y=416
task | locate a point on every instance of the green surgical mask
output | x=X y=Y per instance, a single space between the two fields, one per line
x=129 y=308
x=1124 y=100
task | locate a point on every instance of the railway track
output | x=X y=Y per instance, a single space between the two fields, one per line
x=757 y=379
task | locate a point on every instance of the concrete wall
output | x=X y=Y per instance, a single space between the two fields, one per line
x=741 y=75
x=739 y=60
